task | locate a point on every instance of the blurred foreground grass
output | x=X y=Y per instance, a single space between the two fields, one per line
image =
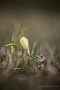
x=40 y=69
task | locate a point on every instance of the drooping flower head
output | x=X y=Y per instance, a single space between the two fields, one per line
x=24 y=43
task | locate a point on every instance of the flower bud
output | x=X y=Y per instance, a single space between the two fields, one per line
x=24 y=43
x=12 y=49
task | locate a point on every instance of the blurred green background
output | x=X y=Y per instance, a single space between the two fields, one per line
x=43 y=16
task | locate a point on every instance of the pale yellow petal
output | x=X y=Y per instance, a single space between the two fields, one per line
x=24 y=43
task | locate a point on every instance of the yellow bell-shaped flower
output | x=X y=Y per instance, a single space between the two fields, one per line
x=24 y=43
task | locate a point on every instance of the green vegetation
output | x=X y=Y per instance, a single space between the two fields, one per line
x=28 y=60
